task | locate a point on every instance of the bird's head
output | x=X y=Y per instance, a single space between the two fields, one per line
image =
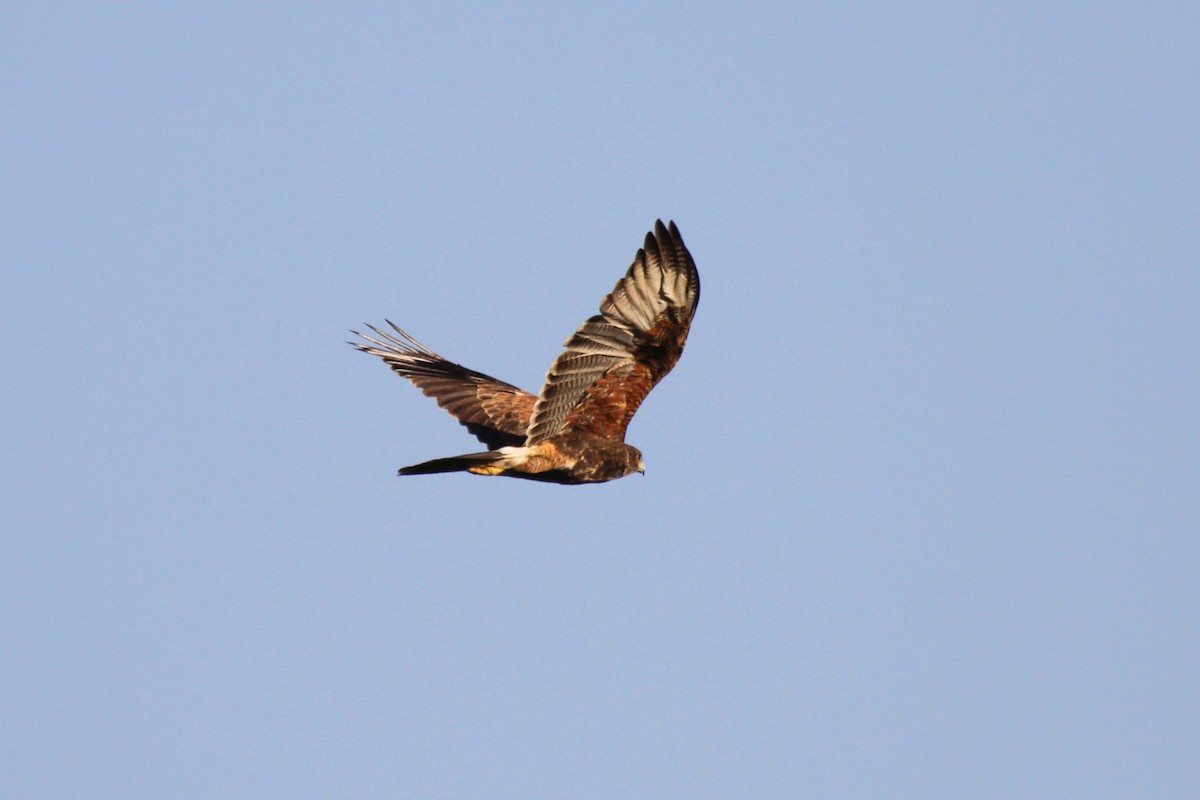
x=633 y=458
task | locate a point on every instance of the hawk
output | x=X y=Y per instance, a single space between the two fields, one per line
x=573 y=431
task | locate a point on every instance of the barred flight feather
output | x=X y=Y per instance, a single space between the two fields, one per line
x=469 y=396
x=661 y=284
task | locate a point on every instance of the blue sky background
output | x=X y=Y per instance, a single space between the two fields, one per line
x=920 y=515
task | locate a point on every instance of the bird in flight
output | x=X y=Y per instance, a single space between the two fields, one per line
x=573 y=431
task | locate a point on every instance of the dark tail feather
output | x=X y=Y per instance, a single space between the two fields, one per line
x=451 y=464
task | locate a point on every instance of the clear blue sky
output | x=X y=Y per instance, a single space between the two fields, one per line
x=920 y=513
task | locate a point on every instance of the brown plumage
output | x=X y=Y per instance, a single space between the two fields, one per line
x=574 y=430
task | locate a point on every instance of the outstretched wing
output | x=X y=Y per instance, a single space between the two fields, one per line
x=615 y=359
x=497 y=413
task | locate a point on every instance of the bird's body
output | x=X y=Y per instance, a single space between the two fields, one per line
x=574 y=430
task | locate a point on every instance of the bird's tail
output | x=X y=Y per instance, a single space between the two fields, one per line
x=492 y=462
